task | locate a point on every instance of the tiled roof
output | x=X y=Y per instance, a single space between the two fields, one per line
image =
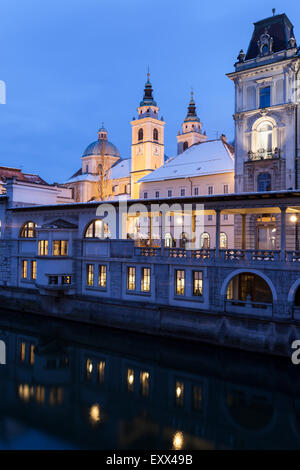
x=6 y=172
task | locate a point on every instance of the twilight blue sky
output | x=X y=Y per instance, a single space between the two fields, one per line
x=69 y=65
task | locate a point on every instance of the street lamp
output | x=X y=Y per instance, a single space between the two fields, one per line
x=294 y=220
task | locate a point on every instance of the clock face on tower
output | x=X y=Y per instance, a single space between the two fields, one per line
x=155 y=150
x=139 y=150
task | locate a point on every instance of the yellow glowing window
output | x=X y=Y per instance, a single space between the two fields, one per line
x=130 y=379
x=22 y=351
x=223 y=240
x=40 y=394
x=197 y=283
x=33 y=270
x=145 y=281
x=24 y=268
x=89 y=368
x=101 y=371
x=131 y=278
x=56 y=396
x=102 y=276
x=197 y=398
x=28 y=230
x=179 y=282
x=144 y=380
x=43 y=248
x=179 y=393
x=60 y=247
x=31 y=357
x=90 y=274
x=66 y=280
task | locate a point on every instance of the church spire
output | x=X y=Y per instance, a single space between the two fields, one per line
x=192 y=113
x=148 y=99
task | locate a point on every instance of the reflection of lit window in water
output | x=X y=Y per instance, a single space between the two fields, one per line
x=40 y=394
x=101 y=371
x=27 y=393
x=179 y=393
x=56 y=396
x=197 y=398
x=130 y=380
x=144 y=378
x=95 y=414
x=178 y=441
x=22 y=351
x=89 y=369
x=31 y=359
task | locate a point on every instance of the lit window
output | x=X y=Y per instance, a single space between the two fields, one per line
x=210 y=189
x=265 y=97
x=131 y=278
x=28 y=230
x=145 y=282
x=168 y=240
x=204 y=240
x=31 y=357
x=56 y=396
x=264 y=138
x=60 y=248
x=66 y=280
x=43 y=248
x=180 y=282
x=97 y=229
x=225 y=188
x=182 y=192
x=130 y=380
x=179 y=393
x=197 y=398
x=223 y=240
x=196 y=191
x=33 y=270
x=102 y=276
x=89 y=274
x=89 y=368
x=144 y=380
x=22 y=351
x=197 y=282
x=101 y=371
x=40 y=394
x=24 y=268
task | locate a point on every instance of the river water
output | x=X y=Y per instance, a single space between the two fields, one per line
x=73 y=386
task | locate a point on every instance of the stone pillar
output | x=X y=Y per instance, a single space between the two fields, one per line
x=217 y=232
x=243 y=231
x=282 y=233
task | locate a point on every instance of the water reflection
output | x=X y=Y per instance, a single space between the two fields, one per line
x=88 y=387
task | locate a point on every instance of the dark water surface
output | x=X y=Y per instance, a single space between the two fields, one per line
x=72 y=386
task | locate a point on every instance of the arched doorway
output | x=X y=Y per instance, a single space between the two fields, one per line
x=249 y=290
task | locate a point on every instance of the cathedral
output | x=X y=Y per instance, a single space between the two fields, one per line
x=196 y=169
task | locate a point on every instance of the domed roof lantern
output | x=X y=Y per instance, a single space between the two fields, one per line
x=102 y=133
x=148 y=99
x=192 y=114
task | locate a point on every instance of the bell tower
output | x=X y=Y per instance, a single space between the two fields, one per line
x=191 y=129
x=147 y=149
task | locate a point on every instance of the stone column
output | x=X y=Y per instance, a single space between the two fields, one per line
x=282 y=233
x=243 y=231
x=217 y=232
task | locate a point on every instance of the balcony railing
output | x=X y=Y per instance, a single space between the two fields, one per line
x=263 y=154
x=228 y=255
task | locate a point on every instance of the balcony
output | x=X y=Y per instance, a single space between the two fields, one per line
x=263 y=154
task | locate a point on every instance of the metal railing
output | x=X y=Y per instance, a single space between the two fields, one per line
x=263 y=154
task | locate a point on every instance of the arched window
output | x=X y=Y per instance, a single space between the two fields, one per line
x=185 y=146
x=97 y=229
x=264 y=137
x=264 y=182
x=141 y=134
x=155 y=134
x=223 y=240
x=28 y=230
x=205 y=240
x=168 y=240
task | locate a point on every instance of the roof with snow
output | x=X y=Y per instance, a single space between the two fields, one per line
x=121 y=169
x=8 y=172
x=205 y=158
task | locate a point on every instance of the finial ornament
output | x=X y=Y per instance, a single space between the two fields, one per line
x=273 y=11
x=148 y=73
x=192 y=93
